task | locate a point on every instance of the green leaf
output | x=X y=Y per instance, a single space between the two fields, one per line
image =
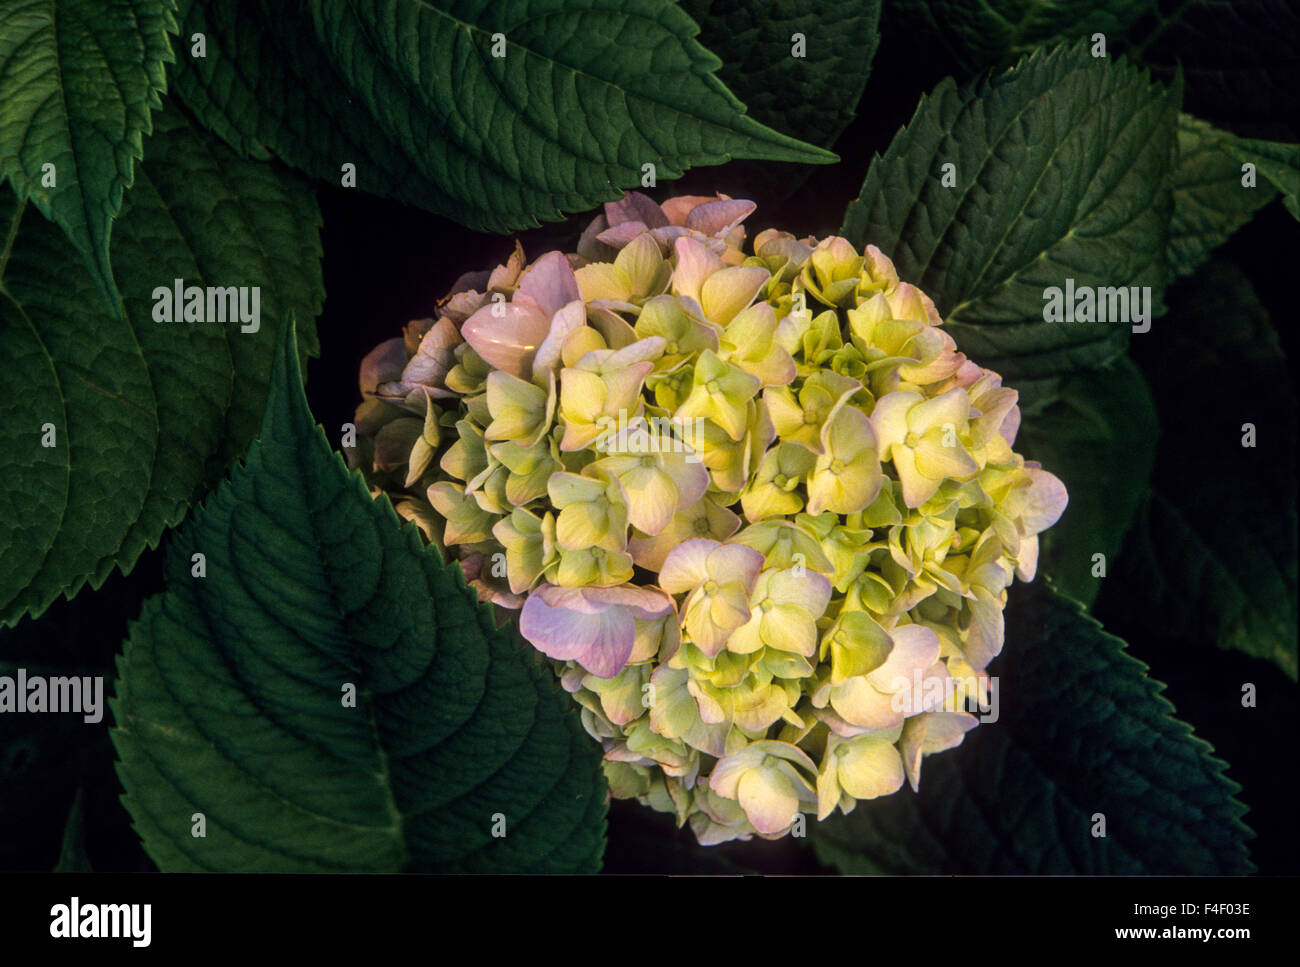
x=996 y=32
x=78 y=80
x=1082 y=731
x=144 y=415
x=1210 y=201
x=409 y=91
x=37 y=476
x=812 y=96
x=1217 y=547
x=1098 y=436
x=232 y=691
x=1277 y=162
x=1060 y=173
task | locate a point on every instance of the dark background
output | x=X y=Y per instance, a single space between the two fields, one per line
x=385 y=264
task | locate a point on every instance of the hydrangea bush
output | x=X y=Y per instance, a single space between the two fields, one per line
x=754 y=505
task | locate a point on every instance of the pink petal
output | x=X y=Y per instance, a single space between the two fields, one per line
x=383 y=364
x=436 y=356
x=499 y=596
x=1047 y=500
x=462 y=305
x=571 y=317
x=645 y=604
x=668 y=235
x=551 y=283
x=471 y=281
x=601 y=643
x=589 y=245
x=1011 y=426
x=967 y=373
x=695 y=263
x=621 y=234
x=915 y=649
x=719 y=217
x=691 y=487
x=509 y=340
x=737 y=563
x=572 y=678
x=635 y=207
x=595 y=627
x=679 y=208
x=686 y=566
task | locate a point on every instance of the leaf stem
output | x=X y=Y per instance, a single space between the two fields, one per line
x=10 y=235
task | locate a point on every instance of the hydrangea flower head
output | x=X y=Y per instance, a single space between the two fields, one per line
x=753 y=504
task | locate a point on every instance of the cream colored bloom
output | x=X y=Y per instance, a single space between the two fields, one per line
x=923 y=439
x=717 y=580
x=769 y=780
x=754 y=504
x=863 y=766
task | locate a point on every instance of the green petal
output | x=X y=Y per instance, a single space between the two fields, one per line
x=869 y=767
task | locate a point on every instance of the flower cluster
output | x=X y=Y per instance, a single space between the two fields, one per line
x=756 y=507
